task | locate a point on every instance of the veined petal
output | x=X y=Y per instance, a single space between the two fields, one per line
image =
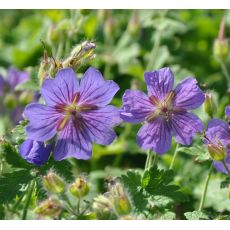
x=184 y=126
x=94 y=90
x=188 y=95
x=217 y=131
x=61 y=89
x=136 y=106
x=155 y=135
x=159 y=82
x=44 y=121
x=73 y=142
x=99 y=123
x=35 y=152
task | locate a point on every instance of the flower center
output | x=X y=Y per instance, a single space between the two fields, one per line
x=163 y=108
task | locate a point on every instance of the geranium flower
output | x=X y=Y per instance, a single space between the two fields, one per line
x=164 y=110
x=217 y=138
x=78 y=114
x=35 y=152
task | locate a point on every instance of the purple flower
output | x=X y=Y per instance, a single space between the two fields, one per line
x=78 y=113
x=35 y=152
x=218 y=136
x=164 y=110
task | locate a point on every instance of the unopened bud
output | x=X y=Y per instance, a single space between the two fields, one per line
x=221 y=47
x=49 y=208
x=209 y=104
x=134 y=24
x=103 y=207
x=79 y=188
x=25 y=97
x=109 y=28
x=80 y=54
x=217 y=152
x=53 y=183
x=120 y=199
x=10 y=101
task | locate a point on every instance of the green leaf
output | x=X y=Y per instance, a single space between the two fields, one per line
x=11 y=184
x=159 y=183
x=12 y=156
x=196 y=215
x=19 y=133
x=132 y=182
x=225 y=183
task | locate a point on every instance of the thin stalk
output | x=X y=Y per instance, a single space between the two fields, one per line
x=151 y=160
x=174 y=157
x=225 y=72
x=28 y=199
x=226 y=167
x=205 y=189
x=78 y=206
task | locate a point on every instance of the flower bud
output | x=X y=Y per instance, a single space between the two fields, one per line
x=217 y=152
x=25 y=98
x=209 y=104
x=10 y=101
x=53 y=34
x=103 y=207
x=53 y=183
x=80 y=54
x=221 y=47
x=79 y=188
x=103 y=14
x=120 y=199
x=49 y=208
x=109 y=28
x=134 y=24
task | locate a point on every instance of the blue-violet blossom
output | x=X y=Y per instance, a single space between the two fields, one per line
x=78 y=114
x=164 y=110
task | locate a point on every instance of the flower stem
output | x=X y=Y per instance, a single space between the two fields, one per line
x=226 y=167
x=205 y=189
x=28 y=199
x=225 y=72
x=174 y=157
x=151 y=159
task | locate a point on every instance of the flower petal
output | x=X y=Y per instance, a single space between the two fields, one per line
x=73 y=142
x=16 y=77
x=159 y=82
x=220 y=166
x=61 y=89
x=155 y=135
x=217 y=130
x=188 y=95
x=184 y=126
x=136 y=106
x=44 y=121
x=94 y=90
x=35 y=152
x=227 y=112
x=99 y=124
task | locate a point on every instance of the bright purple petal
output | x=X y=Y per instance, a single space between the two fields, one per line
x=188 y=95
x=16 y=77
x=94 y=90
x=159 y=82
x=184 y=126
x=44 y=121
x=61 y=89
x=227 y=112
x=136 y=106
x=155 y=135
x=35 y=152
x=73 y=142
x=99 y=123
x=217 y=131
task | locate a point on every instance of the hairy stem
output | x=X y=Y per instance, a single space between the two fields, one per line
x=174 y=157
x=28 y=199
x=205 y=189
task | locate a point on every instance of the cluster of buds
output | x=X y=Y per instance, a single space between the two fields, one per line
x=79 y=55
x=49 y=208
x=221 y=46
